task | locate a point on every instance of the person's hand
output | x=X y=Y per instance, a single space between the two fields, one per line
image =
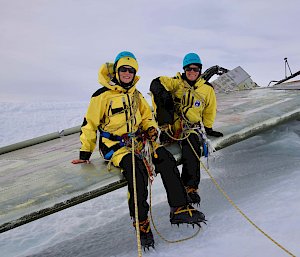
x=164 y=137
x=164 y=127
x=77 y=161
x=152 y=134
x=213 y=133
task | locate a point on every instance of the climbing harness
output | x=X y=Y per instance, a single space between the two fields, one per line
x=197 y=129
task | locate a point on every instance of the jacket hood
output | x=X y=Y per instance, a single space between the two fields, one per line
x=106 y=74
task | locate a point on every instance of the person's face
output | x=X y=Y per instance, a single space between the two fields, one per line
x=192 y=72
x=126 y=73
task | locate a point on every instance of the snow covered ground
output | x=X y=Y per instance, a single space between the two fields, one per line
x=261 y=175
x=22 y=121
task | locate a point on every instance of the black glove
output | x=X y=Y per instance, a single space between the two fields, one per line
x=164 y=138
x=152 y=134
x=213 y=133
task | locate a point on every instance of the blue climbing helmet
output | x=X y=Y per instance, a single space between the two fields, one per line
x=125 y=58
x=124 y=54
x=191 y=58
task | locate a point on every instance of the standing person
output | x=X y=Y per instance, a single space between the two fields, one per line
x=186 y=101
x=119 y=111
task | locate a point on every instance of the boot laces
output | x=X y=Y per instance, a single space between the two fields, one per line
x=189 y=209
x=144 y=226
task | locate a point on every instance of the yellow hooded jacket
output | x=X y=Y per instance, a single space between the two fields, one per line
x=196 y=103
x=115 y=110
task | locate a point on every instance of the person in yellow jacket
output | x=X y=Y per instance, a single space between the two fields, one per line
x=186 y=101
x=119 y=111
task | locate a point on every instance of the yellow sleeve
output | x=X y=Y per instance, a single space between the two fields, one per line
x=90 y=124
x=210 y=109
x=168 y=83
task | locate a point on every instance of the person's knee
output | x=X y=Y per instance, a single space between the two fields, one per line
x=165 y=161
x=164 y=155
x=126 y=163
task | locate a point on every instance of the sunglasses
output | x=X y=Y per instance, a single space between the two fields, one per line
x=124 y=69
x=197 y=69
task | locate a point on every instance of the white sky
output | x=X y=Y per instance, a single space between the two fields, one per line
x=52 y=49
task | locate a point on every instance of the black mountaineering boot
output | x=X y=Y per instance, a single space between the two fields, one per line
x=146 y=235
x=186 y=214
x=193 y=196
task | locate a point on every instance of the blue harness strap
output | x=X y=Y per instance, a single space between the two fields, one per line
x=205 y=149
x=123 y=140
x=114 y=148
x=110 y=136
x=109 y=155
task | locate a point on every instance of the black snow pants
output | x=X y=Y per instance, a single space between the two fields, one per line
x=190 y=164
x=165 y=164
